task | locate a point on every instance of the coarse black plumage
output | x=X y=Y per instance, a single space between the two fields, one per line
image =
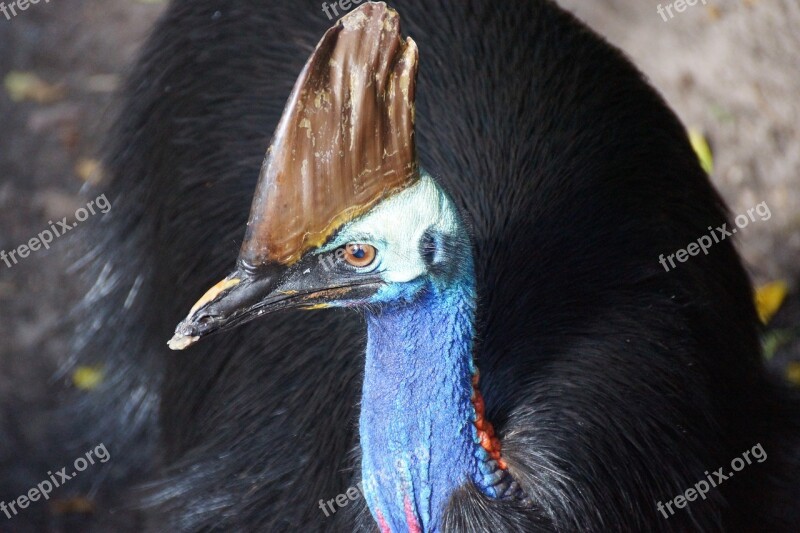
x=612 y=383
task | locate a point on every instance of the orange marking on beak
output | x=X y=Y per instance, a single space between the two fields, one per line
x=212 y=293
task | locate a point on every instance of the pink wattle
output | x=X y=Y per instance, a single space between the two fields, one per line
x=411 y=518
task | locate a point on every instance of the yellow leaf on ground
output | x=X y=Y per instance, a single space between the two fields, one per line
x=77 y=505
x=87 y=377
x=769 y=298
x=702 y=149
x=89 y=170
x=793 y=372
x=27 y=86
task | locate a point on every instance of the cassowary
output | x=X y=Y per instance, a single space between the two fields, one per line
x=518 y=359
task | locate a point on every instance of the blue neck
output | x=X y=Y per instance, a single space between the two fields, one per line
x=418 y=440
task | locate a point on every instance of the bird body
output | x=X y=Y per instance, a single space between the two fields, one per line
x=554 y=177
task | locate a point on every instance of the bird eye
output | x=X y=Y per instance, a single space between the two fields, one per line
x=359 y=255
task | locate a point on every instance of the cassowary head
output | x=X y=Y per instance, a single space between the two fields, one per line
x=344 y=217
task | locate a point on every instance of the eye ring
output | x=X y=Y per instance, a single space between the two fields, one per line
x=358 y=255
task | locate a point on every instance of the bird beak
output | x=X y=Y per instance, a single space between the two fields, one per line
x=247 y=294
x=236 y=299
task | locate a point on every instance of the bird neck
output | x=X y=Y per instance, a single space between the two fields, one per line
x=419 y=410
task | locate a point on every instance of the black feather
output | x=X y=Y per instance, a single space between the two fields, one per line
x=613 y=384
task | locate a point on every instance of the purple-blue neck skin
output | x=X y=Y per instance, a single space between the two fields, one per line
x=418 y=439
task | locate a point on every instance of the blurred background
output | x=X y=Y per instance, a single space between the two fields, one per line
x=729 y=68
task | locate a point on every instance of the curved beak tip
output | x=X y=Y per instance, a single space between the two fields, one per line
x=179 y=341
x=227 y=303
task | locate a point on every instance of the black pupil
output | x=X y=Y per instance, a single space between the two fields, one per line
x=358 y=252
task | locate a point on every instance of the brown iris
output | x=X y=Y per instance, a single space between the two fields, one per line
x=359 y=255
